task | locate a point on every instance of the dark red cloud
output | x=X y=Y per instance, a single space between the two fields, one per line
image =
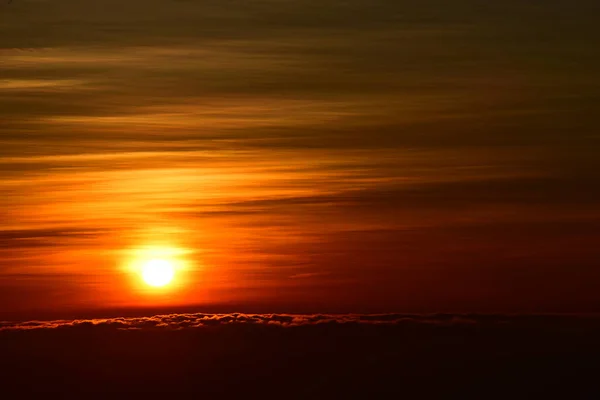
x=302 y=356
x=200 y=320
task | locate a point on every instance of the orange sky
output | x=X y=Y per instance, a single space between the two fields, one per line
x=347 y=156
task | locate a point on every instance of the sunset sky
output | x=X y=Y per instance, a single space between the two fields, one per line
x=299 y=155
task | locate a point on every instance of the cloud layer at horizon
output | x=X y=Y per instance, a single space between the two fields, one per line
x=185 y=321
x=265 y=355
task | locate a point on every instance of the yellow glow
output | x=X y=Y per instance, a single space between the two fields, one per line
x=157 y=268
x=158 y=272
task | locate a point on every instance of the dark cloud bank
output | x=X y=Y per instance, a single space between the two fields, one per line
x=303 y=356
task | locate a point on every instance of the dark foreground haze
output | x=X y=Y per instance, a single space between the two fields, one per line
x=303 y=356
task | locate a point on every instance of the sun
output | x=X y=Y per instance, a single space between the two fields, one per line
x=157 y=269
x=158 y=272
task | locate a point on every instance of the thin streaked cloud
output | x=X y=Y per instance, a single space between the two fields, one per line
x=346 y=147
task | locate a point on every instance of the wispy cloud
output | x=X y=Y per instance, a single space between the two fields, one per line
x=361 y=144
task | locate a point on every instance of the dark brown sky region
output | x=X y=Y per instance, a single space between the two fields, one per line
x=300 y=156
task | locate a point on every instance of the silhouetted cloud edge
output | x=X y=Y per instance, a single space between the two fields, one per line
x=202 y=320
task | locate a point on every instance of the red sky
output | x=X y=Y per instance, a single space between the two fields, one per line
x=346 y=156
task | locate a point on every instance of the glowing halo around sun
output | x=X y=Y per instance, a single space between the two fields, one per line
x=158 y=269
x=158 y=272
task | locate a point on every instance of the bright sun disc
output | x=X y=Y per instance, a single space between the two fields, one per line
x=158 y=273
